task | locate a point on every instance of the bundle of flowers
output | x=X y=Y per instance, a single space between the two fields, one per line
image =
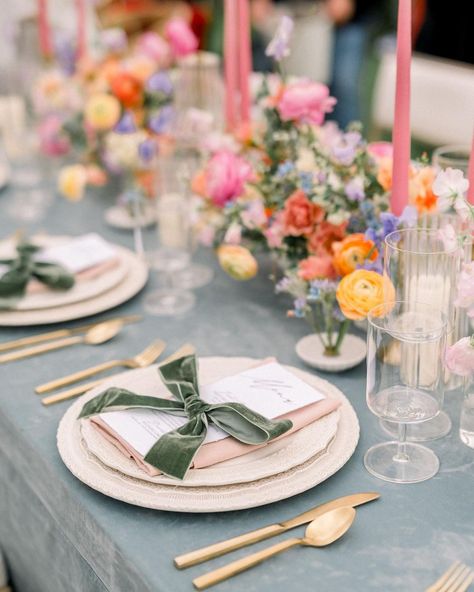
x=110 y=111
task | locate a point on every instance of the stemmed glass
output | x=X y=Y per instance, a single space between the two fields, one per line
x=455 y=156
x=405 y=346
x=166 y=248
x=424 y=268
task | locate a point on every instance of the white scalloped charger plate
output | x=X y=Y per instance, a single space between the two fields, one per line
x=131 y=284
x=113 y=483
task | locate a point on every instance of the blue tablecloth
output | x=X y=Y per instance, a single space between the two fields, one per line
x=58 y=535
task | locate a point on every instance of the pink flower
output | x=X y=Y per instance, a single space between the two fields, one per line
x=380 y=150
x=225 y=177
x=324 y=235
x=181 y=38
x=154 y=47
x=460 y=357
x=254 y=215
x=306 y=102
x=465 y=295
x=275 y=233
x=52 y=141
x=316 y=267
x=233 y=236
x=301 y=214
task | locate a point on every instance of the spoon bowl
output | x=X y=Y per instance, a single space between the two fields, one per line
x=102 y=332
x=329 y=527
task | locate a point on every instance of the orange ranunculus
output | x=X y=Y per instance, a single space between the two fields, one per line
x=316 y=267
x=237 y=261
x=300 y=214
x=421 y=190
x=360 y=291
x=353 y=251
x=128 y=89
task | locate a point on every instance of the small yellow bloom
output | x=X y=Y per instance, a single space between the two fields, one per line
x=237 y=261
x=360 y=291
x=102 y=111
x=72 y=181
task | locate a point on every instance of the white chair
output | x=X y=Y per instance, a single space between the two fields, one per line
x=442 y=99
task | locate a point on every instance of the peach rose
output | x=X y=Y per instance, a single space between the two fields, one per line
x=353 y=251
x=384 y=174
x=324 y=235
x=360 y=291
x=300 y=214
x=421 y=190
x=316 y=267
x=237 y=261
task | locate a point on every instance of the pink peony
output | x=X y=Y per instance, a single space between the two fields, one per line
x=305 y=102
x=225 y=177
x=300 y=214
x=316 y=267
x=154 y=47
x=380 y=150
x=465 y=295
x=181 y=38
x=460 y=357
x=52 y=141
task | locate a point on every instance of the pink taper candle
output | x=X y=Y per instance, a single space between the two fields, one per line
x=43 y=29
x=401 y=123
x=470 y=175
x=245 y=64
x=81 y=28
x=231 y=62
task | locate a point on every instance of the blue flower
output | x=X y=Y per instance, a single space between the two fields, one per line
x=160 y=82
x=284 y=168
x=389 y=223
x=306 y=182
x=161 y=121
x=126 y=125
x=147 y=150
x=300 y=307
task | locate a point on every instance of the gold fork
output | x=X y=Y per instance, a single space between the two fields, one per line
x=457 y=578
x=141 y=360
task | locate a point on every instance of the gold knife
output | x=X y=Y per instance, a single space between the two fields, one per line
x=63 y=333
x=185 y=350
x=218 y=549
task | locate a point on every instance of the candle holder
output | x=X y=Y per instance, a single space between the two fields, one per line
x=423 y=268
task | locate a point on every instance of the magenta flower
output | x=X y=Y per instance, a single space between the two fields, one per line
x=460 y=357
x=226 y=175
x=53 y=141
x=153 y=46
x=181 y=38
x=305 y=102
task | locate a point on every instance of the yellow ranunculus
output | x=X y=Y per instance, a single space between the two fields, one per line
x=72 y=181
x=102 y=111
x=237 y=261
x=359 y=291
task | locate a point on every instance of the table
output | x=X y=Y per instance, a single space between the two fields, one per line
x=60 y=536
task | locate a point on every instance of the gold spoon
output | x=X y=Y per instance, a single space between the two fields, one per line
x=95 y=336
x=322 y=531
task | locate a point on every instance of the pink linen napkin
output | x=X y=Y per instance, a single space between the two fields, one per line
x=221 y=450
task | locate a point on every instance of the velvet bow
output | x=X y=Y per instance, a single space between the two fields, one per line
x=23 y=268
x=174 y=451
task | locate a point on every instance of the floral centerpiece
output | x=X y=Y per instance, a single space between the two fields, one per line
x=111 y=111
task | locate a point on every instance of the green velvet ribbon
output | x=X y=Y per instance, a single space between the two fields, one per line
x=24 y=268
x=174 y=451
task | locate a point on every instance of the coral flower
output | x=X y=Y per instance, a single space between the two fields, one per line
x=421 y=190
x=128 y=89
x=324 y=235
x=237 y=261
x=360 y=291
x=352 y=252
x=316 y=267
x=102 y=112
x=300 y=214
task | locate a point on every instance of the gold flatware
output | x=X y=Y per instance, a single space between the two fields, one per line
x=83 y=388
x=218 y=549
x=33 y=339
x=141 y=360
x=323 y=531
x=457 y=578
x=97 y=335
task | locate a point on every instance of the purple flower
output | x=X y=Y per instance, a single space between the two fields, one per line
x=355 y=189
x=409 y=217
x=345 y=149
x=65 y=53
x=278 y=48
x=126 y=124
x=161 y=121
x=160 y=82
x=114 y=40
x=389 y=223
x=147 y=150
x=376 y=265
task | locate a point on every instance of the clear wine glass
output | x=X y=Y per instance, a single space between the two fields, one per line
x=405 y=348
x=455 y=156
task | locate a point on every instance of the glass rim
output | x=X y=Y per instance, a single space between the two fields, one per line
x=443 y=151
x=405 y=231
x=373 y=319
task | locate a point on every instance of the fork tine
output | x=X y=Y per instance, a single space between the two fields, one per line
x=448 y=584
x=150 y=352
x=436 y=587
x=467 y=582
x=458 y=581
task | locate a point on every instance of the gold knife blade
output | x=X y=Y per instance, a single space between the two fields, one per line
x=218 y=549
x=8 y=345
